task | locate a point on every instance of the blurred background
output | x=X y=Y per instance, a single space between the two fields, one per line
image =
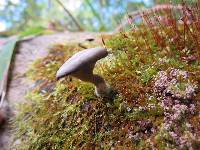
x=73 y=15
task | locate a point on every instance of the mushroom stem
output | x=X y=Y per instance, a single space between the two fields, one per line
x=102 y=89
x=96 y=80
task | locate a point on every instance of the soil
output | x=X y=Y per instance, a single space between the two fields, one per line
x=25 y=53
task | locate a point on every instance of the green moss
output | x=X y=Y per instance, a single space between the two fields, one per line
x=148 y=74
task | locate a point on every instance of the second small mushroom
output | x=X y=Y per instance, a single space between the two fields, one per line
x=81 y=66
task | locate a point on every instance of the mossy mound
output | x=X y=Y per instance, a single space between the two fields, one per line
x=145 y=113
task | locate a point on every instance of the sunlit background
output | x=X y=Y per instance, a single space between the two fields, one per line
x=91 y=15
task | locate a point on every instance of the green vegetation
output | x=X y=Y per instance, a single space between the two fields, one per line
x=155 y=72
x=91 y=15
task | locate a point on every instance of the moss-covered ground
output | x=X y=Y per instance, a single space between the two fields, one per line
x=155 y=73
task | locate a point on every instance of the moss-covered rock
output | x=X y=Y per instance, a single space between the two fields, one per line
x=67 y=114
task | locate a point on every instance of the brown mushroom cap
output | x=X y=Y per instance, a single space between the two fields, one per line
x=81 y=60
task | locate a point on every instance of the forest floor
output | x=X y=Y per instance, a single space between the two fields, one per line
x=26 y=52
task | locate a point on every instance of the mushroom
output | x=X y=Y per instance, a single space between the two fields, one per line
x=81 y=66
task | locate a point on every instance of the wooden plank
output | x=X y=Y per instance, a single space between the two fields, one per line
x=6 y=52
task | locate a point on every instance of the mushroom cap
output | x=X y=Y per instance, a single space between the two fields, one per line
x=81 y=61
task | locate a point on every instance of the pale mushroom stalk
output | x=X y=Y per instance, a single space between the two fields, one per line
x=81 y=66
x=101 y=87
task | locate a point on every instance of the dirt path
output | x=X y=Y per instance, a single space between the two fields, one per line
x=19 y=85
